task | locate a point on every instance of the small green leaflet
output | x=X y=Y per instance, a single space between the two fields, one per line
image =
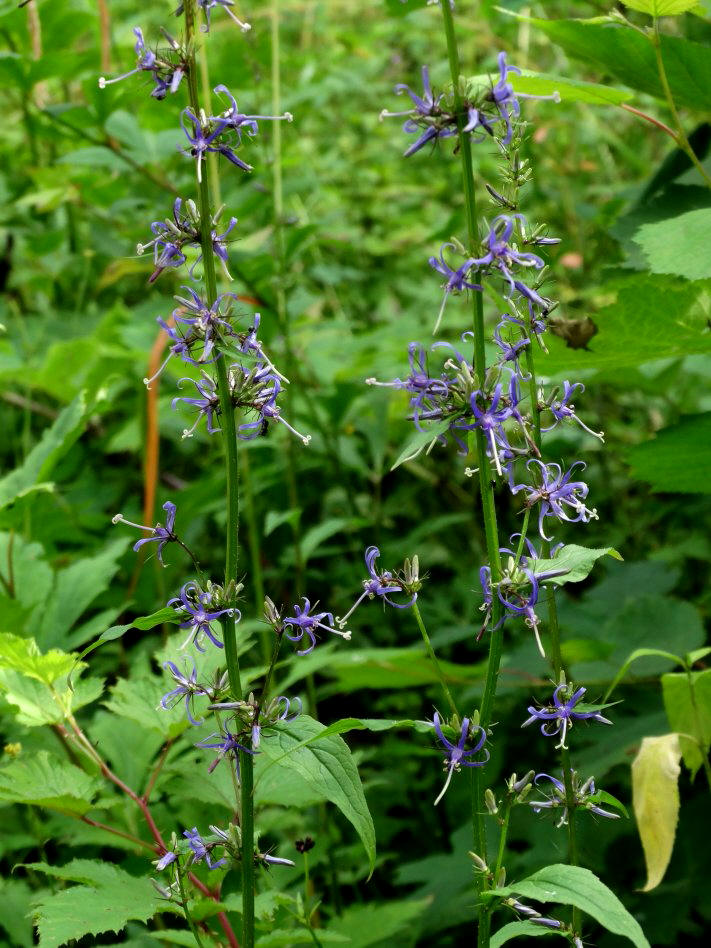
x=417 y=443
x=573 y=885
x=662 y=7
x=577 y=561
x=48 y=781
x=569 y=90
x=518 y=929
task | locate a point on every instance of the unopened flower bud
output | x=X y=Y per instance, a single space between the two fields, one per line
x=478 y=862
x=490 y=801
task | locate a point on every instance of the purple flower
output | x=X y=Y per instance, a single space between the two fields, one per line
x=502 y=256
x=303 y=623
x=187 y=688
x=165 y=860
x=555 y=493
x=268 y=860
x=207 y=403
x=196 y=603
x=559 y=716
x=455 y=755
x=202 y=140
x=201 y=850
x=379 y=584
x=238 y=121
x=506 y=100
x=562 y=409
x=426 y=390
x=159 y=534
x=207 y=6
x=510 y=350
x=166 y=76
x=581 y=794
x=278 y=709
x=256 y=390
x=455 y=281
x=227 y=744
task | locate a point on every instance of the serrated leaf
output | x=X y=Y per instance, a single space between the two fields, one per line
x=160 y=617
x=662 y=7
x=327 y=766
x=677 y=459
x=416 y=444
x=40 y=462
x=44 y=780
x=394 y=922
x=75 y=589
x=655 y=799
x=109 y=899
x=573 y=885
x=687 y=716
x=23 y=655
x=678 y=245
x=138 y=700
x=577 y=561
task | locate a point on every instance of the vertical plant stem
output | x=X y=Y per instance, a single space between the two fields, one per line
x=433 y=658
x=232 y=476
x=184 y=900
x=502 y=840
x=485 y=484
x=556 y=657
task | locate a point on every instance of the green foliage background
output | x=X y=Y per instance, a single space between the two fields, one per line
x=84 y=172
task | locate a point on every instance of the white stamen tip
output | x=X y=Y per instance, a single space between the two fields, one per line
x=306 y=439
x=117 y=518
x=470 y=471
x=382 y=115
x=102 y=82
x=556 y=96
x=246 y=27
x=370 y=381
x=139 y=249
x=187 y=433
x=288 y=116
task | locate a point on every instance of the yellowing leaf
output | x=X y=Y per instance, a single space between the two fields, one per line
x=655 y=798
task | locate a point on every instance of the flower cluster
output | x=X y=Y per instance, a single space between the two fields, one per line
x=581 y=798
x=167 y=68
x=560 y=714
x=484 y=109
x=456 y=755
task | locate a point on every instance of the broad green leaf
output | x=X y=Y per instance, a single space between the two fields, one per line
x=628 y=337
x=394 y=668
x=283 y=937
x=313 y=538
x=678 y=245
x=41 y=460
x=689 y=717
x=519 y=929
x=577 y=561
x=33 y=576
x=16 y=901
x=37 y=704
x=623 y=53
x=573 y=885
x=633 y=656
x=24 y=656
x=44 y=780
x=416 y=444
x=677 y=460
x=569 y=90
x=104 y=901
x=138 y=699
x=327 y=766
x=697 y=655
x=655 y=798
x=661 y=7
x=394 y=921
x=75 y=589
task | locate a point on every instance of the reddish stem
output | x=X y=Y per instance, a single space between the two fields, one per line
x=652 y=120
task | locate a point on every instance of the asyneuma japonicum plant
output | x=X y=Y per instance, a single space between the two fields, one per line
x=498 y=410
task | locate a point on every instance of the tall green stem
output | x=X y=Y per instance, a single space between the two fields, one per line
x=433 y=658
x=485 y=484
x=227 y=414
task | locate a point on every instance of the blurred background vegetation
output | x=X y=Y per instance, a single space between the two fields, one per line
x=85 y=172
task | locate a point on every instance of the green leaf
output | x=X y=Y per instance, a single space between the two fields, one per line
x=164 y=615
x=624 y=53
x=661 y=7
x=602 y=796
x=688 y=717
x=313 y=538
x=516 y=929
x=394 y=668
x=327 y=766
x=678 y=459
x=655 y=798
x=106 y=899
x=44 y=780
x=633 y=656
x=137 y=699
x=377 y=923
x=678 y=245
x=41 y=460
x=419 y=441
x=570 y=90
x=24 y=656
x=283 y=937
x=573 y=885
x=577 y=561
x=627 y=337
